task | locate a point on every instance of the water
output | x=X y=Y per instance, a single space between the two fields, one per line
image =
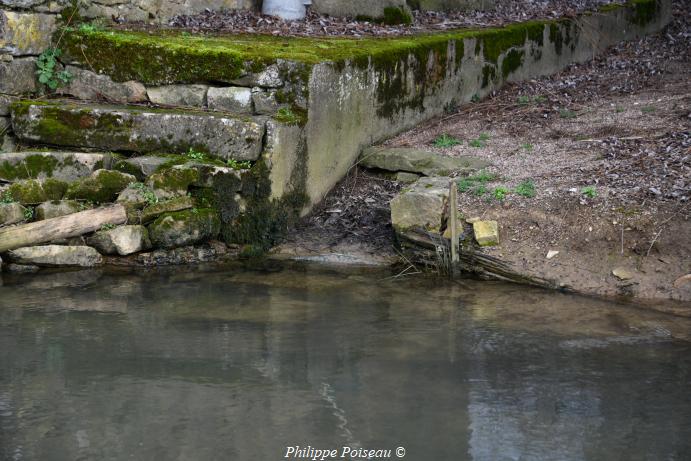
x=238 y=365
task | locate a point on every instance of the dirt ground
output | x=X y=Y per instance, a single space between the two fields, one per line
x=607 y=149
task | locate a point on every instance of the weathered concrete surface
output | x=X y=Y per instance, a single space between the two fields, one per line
x=22 y=34
x=138 y=130
x=66 y=166
x=421 y=161
x=422 y=206
x=55 y=256
x=360 y=103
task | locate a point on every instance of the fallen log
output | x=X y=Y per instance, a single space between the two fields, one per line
x=72 y=225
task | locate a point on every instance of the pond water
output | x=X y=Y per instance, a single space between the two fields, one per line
x=233 y=364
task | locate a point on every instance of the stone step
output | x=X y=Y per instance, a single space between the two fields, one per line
x=138 y=129
x=65 y=166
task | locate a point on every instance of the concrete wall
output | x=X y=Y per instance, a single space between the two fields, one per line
x=353 y=106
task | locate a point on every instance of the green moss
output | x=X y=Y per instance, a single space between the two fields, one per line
x=495 y=42
x=556 y=37
x=181 y=228
x=644 y=11
x=33 y=191
x=103 y=186
x=489 y=73
x=174 y=180
x=396 y=15
x=32 y=166
x=512 y=61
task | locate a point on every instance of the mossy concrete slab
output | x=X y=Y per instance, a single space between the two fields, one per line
x=137 y=129
x=66 y=166
x=420 y=161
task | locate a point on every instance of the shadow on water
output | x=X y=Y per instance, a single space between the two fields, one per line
x=230 y=363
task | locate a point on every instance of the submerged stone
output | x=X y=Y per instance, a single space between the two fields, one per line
x=123 y=240
x=138 y=130
x=56 y=255
x=102 y=186
x=182 y=228
x=420 y=161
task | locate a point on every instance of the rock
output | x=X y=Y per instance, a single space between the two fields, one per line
x=24 y=34
x=182 y=228
x=65 y=166
x=270 y=77
x=404 y=177
x=420 y=161
x=18 y=76
x=623 y=273
x=90 y=86
x=447 y=231
x=208 y=175
x=152 y=212
x=422 y=206
x=5 y=102
x=21 y=268
x=11 y=213
x=265 y=102
x=231 y=99
x=56 y=255
x=123 y=240
x=102 y=186
x=34 y=191
x=683 y=281
x=179 y=95
x=136 y=196
x=551 y=254
x=211 y=251
x=139 y=129
x=54 y=209
x=486 y=233
x=172 y=182
x=141 y=167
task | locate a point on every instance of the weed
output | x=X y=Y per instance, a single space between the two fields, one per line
x=446 y=140
x=195 y=210
x=475 y=98
x=87 y=205
x=47 y=69
x=479 y=179
x=147 y=193
x=480 y=190
x=647 y=109
x=28 y=213
x=619 y=109
x=88 y=28
x=483 y=176
x=186 y=34
x=589 y=191
x=567 y=114
x=239 y=165
x=527 y=146
x=107 y=227
x=525 y=100
x=476 y=143
x=6 y=197
x=500 y=193
x=195 y=155
x=483 y=137
x=465 y=184
x=526 y=189
x=286 y=115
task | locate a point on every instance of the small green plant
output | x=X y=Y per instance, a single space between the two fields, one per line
x=500 y=193
x=87 y=28
x=480 y=190
x=527 y=146
x=146 y=192
x=86 y=205
x=195 y=210
x=526 y=189
x=286 y=115
x=482 y=177
x=483 y=137
x=6 y=197
x=619 y=109
x=475 y=98
x=28 y=213
x=196 y=155
x=47 y=69
x=589 y=191
x=446 y=140
x=186 y=34
x=107 y=227
x=239 y=165
x=476 y=143
x=567 y=114
x=525 y=100
x=647 y=109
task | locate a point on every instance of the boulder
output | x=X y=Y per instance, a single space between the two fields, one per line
x=123 y=240
x=404 y=177
x=422 y=206
x=102 y=186
x=419 y=161
x=182 y=228
x=56 y=208
x=34 y=191
x=179 y=95
x=11 y=213
x=136 y=196
x=65 y=166
x=486 y=233
x=172 y=182
x=55 y=256
x=90 y=86
x=152 y=212
x=230 y=99
x=141 y=167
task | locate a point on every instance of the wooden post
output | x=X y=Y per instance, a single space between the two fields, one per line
x=71 y=225
x=453 y=218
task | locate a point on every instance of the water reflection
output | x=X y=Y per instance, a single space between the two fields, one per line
x=232 y=364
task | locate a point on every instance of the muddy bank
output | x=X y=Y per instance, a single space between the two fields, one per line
x=590 y=166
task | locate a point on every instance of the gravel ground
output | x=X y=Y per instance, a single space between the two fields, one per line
x=506 y=11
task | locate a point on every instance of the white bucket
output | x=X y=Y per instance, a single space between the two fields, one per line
x=286 y=9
